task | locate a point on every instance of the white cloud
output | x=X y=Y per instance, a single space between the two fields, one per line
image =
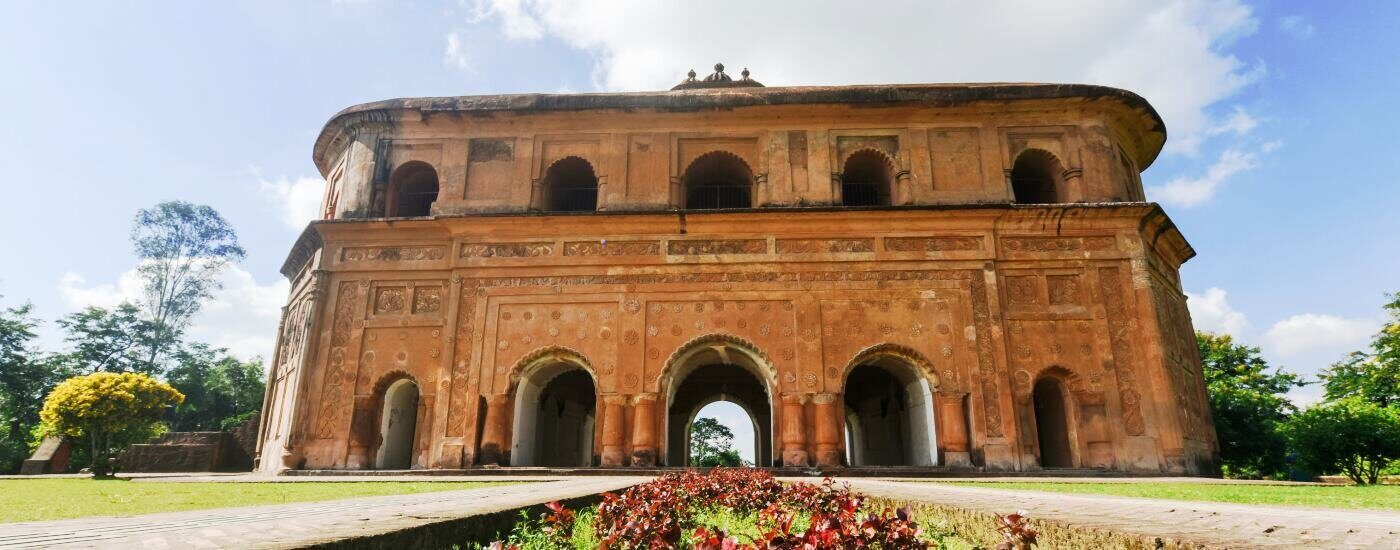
x=1187 y=191
x=242 y=316
x=456 y=53
x=1173 y=54
x=1212 y=312
x=297 y=202
x=1239 y=123
x=1310 y=334
x=1297 y=26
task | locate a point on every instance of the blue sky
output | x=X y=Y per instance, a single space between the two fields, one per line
x=1280 y=167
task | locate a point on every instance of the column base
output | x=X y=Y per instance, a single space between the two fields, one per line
x=612 y=458
x=957 y=459
x=796 y=457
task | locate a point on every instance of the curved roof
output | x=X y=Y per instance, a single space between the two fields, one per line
x=932 y=95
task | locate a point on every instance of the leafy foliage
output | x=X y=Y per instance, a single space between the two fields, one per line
x=220 y=390
x=712 y=444
x=108 y=340
x=1248 y=404
x=1353 y=436
x=110 y=410
x=25 y=377
x=1372 y=375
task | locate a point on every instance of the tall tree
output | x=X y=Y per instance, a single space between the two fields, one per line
x=219 y=389
x=107 y=340
x=1248 y=403
x=1372 y=375
x=182 y=248
x=712 y=444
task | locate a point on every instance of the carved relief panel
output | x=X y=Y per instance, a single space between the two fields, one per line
x=591 y=329
x=925 y=322
x=769 y=324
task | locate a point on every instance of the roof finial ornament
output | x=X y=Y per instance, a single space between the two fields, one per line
x=717 y=79
x=744 y=74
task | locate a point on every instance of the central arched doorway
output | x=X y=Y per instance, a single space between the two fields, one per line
x=717 y=369
x=398 y=425
x=889 y=411
x=1052 y=424
x=555 y=414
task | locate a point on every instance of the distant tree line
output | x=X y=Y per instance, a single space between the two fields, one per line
x=1353 y=431
x=182 y=249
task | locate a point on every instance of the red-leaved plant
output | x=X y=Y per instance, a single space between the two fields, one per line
x=1017 y=531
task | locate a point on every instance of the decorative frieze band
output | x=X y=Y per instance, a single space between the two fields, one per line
x=932 y=244
x=507 y=250
x=392 y=253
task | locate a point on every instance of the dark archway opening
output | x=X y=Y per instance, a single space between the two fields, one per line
x=1052 y=424
x=889 y=416
x=718 y=179
x=412 y=190
x=868 y=179
x=556 y=415
x=570 y=185
x=1035 y=177
x=718 y=382
x=398 y=426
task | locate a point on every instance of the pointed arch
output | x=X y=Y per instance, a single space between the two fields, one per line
x=717 y=367
x=762 y=365
x=716 y=180
x=1037 y=177
x=397 y=401
x=413 y=188
x=888 y=391
x=868 y=178
x=555 y=414
x=570 y=185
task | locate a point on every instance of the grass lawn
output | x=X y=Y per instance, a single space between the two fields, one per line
x=45 y=499
x=1385 y=497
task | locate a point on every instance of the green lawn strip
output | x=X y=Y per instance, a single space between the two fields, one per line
x=1383 y=497
x=49 y=499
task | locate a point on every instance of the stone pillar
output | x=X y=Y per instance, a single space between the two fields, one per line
x=602 y=202
x=828 y=429
x=677 y=198
x=903 y=188
x=644 y=430
x=794 y=433
x=613 y=427
x=537 y=193
x=493 y=433
x=952 y=430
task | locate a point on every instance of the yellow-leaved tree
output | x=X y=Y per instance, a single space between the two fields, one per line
x=107 y=409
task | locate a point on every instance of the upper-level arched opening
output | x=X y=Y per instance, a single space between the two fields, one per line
x=718 y=179
x=1036 y=177
x=868 y=179
x=570 y=185
x=413 y=188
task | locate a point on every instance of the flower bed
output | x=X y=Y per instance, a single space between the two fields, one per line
x=730 y=509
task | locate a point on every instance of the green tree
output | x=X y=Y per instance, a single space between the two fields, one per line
x=1352 y=436
x=183 y=248
x=1372 y=375
x=1248 y=404
x=107 y=340
x=219 y=389
x=109 y=410
x=25 y=377
x=712 y=444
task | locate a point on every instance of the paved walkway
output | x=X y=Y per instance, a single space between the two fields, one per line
x=299 y=524
x=1214 y=524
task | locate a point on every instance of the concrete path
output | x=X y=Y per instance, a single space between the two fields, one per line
x=1213 y=524
x=299 y=524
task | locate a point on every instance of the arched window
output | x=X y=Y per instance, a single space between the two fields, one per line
x=1035 y=178
x=868 y=179
x=412 y=190
x=1052 y=424
x=718 y=179
x=570 y=186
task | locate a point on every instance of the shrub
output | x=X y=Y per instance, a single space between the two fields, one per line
x=108 y=410
x=1352 y=436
